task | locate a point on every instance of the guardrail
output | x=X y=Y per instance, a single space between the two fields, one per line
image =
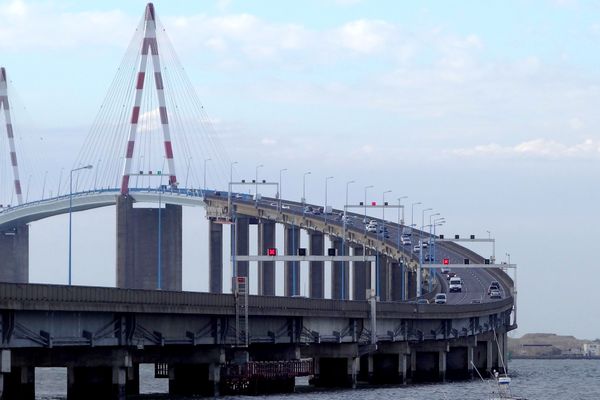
x=45 y=297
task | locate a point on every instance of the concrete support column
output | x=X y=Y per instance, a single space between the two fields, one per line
x=215 y=257
x=353 y=370
x=397 y=281
x=316 y=275
x=292 y=268
x=132 y=383
x=442 y=366
x=403 y=367
x=266 y=269
x=16 y=383
x=384 y=278
x=362 y=276
x=470 y=351
x=14 y=247
x=490 y=356
x=241 y=243
x=138 y=237
x=340 y=273
x=96 y=383
x=413 y=362
x=370 y=368
x=214 y=378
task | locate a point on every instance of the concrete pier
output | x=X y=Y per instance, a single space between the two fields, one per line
x=397 y=280
x=292 y=268
x=340 y=272
x=385 y=277
x=241 y=242
x=215 y=257
x=362 y=275
x=14 y=247
x=138 y=246
x=16 y=383
x=316 y=275
x=266 y=269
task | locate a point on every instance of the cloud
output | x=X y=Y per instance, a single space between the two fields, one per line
x=536 y=148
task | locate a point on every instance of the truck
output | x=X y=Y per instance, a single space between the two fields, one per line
x=455 y=284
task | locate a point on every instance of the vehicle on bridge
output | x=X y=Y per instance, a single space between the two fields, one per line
x=455 y=285
x=440 y=298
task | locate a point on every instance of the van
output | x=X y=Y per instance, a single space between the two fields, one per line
x=455 y=284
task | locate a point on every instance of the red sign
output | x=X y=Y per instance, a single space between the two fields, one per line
x=446 y=261
x=241 y=279
x=373 y=203
x=271 y=251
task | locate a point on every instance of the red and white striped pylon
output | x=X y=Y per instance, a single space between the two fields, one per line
x=150 y=44
x=9 y=132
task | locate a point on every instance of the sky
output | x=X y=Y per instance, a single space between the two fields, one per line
x=484 y=111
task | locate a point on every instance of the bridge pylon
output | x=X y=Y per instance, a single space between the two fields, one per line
x=148 y=47
x=4 y=104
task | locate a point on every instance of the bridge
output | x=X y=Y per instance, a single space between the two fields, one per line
x=378 y=326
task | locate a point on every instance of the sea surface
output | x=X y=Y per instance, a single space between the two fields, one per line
x=532 y=379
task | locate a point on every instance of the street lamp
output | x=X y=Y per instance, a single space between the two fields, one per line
x=71 y=213
x=493 y=247
x=281 y=171
x=205 y=161
x=256 y=182
x=304 y=187
x=400 y=221
x=365 y=204
x=412 y=213
x=383 y=214
x=231 y=170
x=325 y=208
x=346 y=204
x=344 y=241
x=421 y=250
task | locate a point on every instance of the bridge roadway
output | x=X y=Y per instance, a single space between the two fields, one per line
x=475 y=284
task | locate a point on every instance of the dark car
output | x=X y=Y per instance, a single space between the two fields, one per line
x=493 y=286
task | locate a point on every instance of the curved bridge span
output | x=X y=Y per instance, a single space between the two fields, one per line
x=198 y=338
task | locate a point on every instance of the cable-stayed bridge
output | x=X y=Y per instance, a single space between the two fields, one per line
x=150 y=144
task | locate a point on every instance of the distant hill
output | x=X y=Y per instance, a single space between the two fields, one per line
x=547 y=345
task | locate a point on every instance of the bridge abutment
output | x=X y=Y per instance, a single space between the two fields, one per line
x=145 y=235
x=14 y=247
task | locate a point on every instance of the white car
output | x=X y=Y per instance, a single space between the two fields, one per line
x=416 y=248
x=440 y=298
x=455 y=284
x=424 y=244
x=405 y=240
x=371 y=228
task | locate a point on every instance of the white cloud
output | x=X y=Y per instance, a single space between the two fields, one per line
x=536 y=148
x=365 y=36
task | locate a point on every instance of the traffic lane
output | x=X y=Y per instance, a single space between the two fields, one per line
x=475 y=283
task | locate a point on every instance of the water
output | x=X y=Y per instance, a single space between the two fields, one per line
x=533 y=379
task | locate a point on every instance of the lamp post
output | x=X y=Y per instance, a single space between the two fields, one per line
x=344 y=239
x=401 y=220
x=493 y=247
x=256 y=182
x=383 y=214
x=204 y=185
x=231 y=170
x=71 y=213
x=412 y=213
x=365 y=204
x=281 y=171
x=325 y=208
x=421 y=250
x=304 y=187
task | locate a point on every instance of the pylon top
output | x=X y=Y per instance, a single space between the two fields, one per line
x=149 y=12
x=2 y=74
